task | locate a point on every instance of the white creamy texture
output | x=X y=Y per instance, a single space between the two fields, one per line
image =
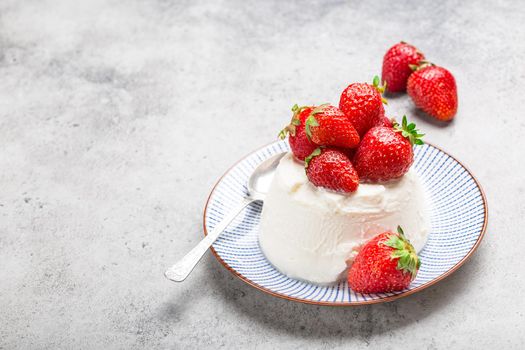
x=311 y=234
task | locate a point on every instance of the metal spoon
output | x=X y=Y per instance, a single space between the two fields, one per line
x=258 y=185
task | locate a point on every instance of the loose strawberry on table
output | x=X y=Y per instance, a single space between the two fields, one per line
x=385 y=153
x=331 y=169
x=362 y=103
x=328 y=126
x=433 y=89
x=396 y=65
x=300 y=144
x=386 y=263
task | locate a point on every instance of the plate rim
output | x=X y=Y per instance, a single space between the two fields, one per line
x=365 y=302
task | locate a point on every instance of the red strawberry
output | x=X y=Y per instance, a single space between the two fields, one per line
x=349 y=152
x=386 y=153
x=301 y=146
x=385 y=121
x=331 y=169
x=433 y=89
x=328 y=126
x=362 y=103
x=386 y=263
x=396 y=66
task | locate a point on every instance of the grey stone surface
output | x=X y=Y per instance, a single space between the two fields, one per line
x=117 y=117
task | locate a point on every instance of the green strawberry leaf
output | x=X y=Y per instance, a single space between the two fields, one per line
x=409 y=131
x=421 y=64
x=310 y=121
x=290 y=128
x=375 y=81
x=319 y=109
x=297 y=110
x=312 y=155
x=408 y=260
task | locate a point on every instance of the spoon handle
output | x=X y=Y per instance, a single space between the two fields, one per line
x=184 y=266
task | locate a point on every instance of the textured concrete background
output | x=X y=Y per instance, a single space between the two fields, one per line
x=117 y=117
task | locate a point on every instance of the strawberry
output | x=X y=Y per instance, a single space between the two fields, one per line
x=362 y=104
x=328 y=126
x=349 y=152
x=385 y=121
x=385 y=153
x=330 y=168
x=300 y=144
x=396 y=66
x=386 y=263
x=433 y=89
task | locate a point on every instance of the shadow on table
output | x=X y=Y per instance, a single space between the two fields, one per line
x=420 y=115
x=394 y=96
x=323 y=321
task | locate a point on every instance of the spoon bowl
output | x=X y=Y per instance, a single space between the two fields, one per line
x=261 y=179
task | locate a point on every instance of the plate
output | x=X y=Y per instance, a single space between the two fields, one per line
x=458 y=214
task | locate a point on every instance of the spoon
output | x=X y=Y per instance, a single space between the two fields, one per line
x=258 y=185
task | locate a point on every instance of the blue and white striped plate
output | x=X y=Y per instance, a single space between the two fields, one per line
x=458 y=221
